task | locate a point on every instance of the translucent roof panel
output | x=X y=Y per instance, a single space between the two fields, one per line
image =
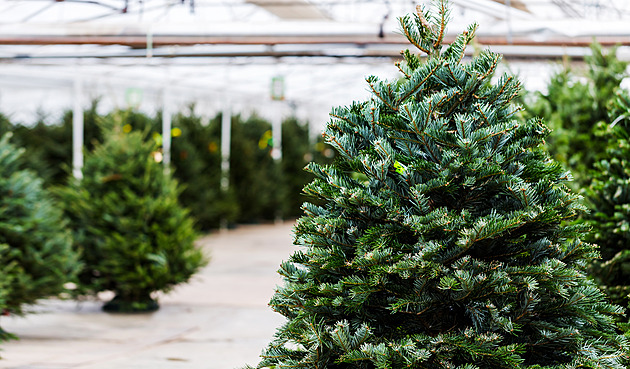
x=214 y=52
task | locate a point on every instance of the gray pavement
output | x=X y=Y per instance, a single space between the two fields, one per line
x=220 y=320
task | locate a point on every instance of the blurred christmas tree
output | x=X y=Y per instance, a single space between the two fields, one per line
x=609 y=197
x=575 y=107
x=296 y=153
x=5 y=124
x=134 y=236
x=49 y=144
x=443 y=241
x=255 y=176
x=196 y=161
x=35 y=246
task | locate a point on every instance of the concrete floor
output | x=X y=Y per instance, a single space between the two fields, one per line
x=220 y=320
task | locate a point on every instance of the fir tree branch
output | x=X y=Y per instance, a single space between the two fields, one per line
x=469 y=35
x=341 y=341
x=411 y=37
x=493 y=134
x=374 y=119
x=426 y=145
x=485 y=118
x=529 y=301
x=420 y=84
x=448 y=67
x=417 y=313
x=443 y=11
x=400 y=195
x=399 y=66
x=320 y=344
x=462 y=128
x=460 y=99
x=496 y=144
x=503 y=86
x=378 y=94
x=573 y=250
x=491 y=68
x=421 y=17
x=338 y=145
x=343 y=119
x=407 y=139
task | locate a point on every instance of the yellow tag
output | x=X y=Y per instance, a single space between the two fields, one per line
x=399 y=167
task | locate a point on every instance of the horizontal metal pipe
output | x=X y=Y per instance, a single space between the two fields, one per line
x=140 y=41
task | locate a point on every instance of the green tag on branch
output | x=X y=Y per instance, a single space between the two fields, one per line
x=401 y=169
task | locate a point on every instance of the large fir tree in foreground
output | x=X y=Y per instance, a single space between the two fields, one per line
x=443 y=241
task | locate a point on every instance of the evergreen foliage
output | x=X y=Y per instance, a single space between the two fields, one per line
x=196 y=159
x=134 y=236
x=296 y=148
x=5 y=124
x=35 y=246
x=575 y=107
x=443 y=241
x=609 y=198
x=297 y=152
x=255 y=176
x=49 y=145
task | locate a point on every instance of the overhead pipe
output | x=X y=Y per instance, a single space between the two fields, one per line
x=140 y=42
x=509 y=51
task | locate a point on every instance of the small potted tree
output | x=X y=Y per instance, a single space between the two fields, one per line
x=135 y=238
x=36 y=254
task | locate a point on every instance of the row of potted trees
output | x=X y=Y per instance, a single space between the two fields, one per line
x=120 y=228
x=260 y=187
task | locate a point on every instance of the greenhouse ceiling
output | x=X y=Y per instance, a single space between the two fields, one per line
x=289 y=27
x=230 y=51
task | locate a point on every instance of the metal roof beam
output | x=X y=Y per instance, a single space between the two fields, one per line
x=276 y=51
x=357 y=40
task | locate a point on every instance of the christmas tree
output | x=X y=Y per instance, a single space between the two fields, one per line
x=443 y=241
x=197 y=165
x=134 y=236
x=296 y=153
x=576 y=105
x=255 y=177
x=35 y=246
x=48 y=144
x=609 y=198
x=5 y=124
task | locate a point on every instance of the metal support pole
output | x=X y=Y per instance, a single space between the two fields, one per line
x=276 y=130
x=149 y=43
x=226 y=133
x=276 y=134
x=166 y=130
x=77 y=130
